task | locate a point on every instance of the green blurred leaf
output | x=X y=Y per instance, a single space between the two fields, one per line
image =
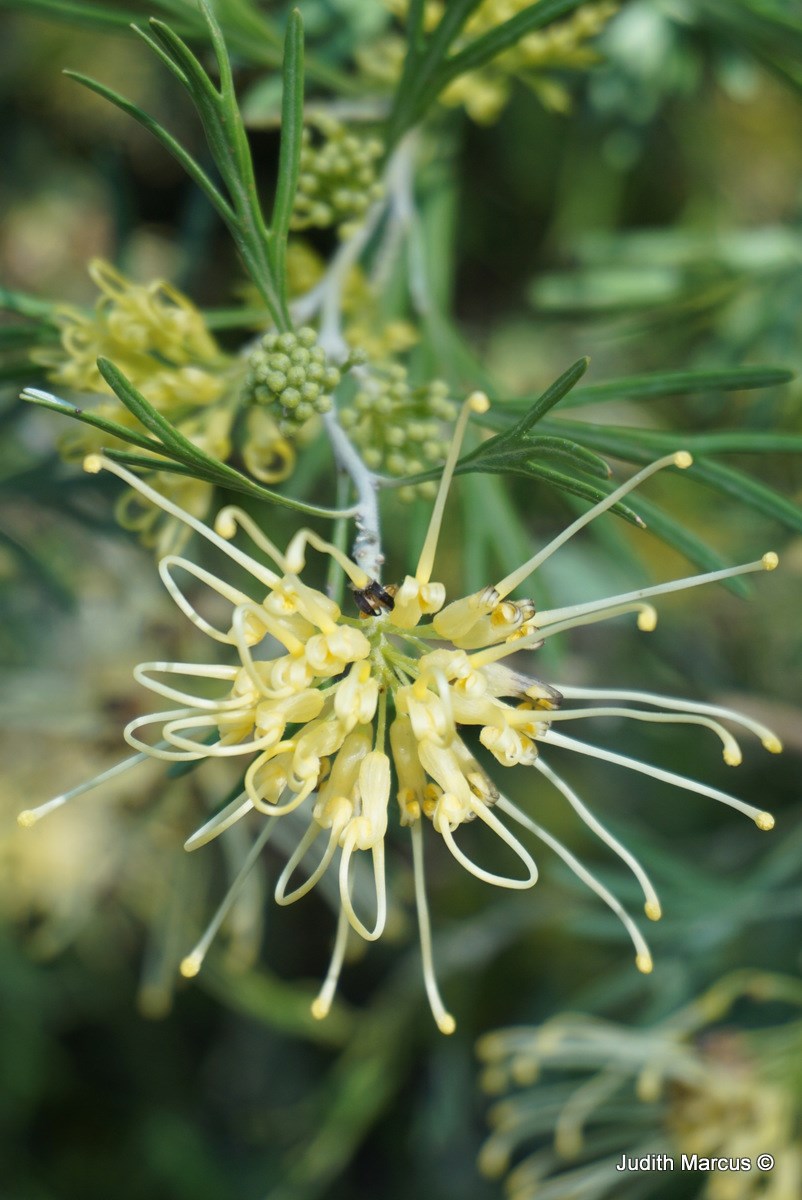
x=292 y=125
x=674 y=534
x=680 y=383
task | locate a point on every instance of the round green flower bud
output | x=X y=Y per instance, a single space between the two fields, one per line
x=290 y=397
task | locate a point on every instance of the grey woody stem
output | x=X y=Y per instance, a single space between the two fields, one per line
x=326 y=299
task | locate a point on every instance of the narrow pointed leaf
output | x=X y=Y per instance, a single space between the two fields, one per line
x=483 y=49
x=681 y=383
x=749 y=491
x=167 y=140
x=87 y=417
x=545 y=402
x=580 y=487
x=292 y=124
x=695 y=550
x=186 y=452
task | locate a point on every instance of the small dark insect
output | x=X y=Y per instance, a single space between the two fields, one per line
x=372 y=599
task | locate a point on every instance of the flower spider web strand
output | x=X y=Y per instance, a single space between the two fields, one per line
x=233 y=595
x=444 y=1020
x=651 y=906
x=731 y=752
x=228 y=816
x=484 y=813
x=93 y=463
x=767 y=737
x=30 y=816
x=643 y=957
x=192 y=963
x=680 y=459
x=550 y=616
x=476 y=403
x=763 y=820
x=322 y=1003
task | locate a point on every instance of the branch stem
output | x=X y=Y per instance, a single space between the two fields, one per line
x=326 y=299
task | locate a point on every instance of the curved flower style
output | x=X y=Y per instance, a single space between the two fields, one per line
x=304 y=696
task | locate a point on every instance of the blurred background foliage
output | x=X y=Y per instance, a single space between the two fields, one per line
x=656 y=227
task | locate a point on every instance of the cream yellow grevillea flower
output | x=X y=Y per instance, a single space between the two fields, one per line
x=323 y=710
x=686 y=1087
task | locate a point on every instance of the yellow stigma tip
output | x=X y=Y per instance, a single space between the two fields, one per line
x=647 y=620
x=764 y=821
x=653 y=911
x=190 y=966
x=773 y=745
x=733 y=758
x=644 y=964
x=479 y=402
x=319 y=1009
x=27 y=818
x=225 y=526
x=683 y=459
x=446 y=1023
x=93 y=463
x=770 y=561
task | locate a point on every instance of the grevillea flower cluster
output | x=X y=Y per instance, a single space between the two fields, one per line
x=534 y=59
x=586 y=1107
x=160 y=340
x=341 y=718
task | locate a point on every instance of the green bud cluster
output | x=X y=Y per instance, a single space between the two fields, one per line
x=289 y=371
x=398 y=428
x=337 y=182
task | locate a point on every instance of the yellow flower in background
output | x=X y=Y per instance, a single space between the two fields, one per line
x=485 y=92
x=684 y=1091
x=152 y=332
x=326 y=708
x=160 y=341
